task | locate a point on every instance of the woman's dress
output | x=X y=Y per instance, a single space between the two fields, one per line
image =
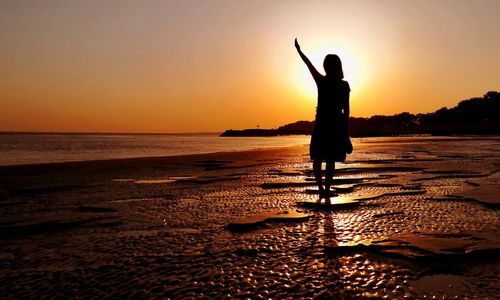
x=329 y=140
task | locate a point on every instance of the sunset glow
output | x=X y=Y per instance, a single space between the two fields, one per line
x=191 y=66
x=354 y=72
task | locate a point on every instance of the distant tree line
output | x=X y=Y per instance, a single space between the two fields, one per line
x=471 y=116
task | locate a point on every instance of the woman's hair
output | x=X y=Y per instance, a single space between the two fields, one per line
x=333 y=66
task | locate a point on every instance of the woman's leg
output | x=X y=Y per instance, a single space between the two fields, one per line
x=329 y=169
x=317 y=176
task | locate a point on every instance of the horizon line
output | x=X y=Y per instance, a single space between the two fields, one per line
x=105 y=132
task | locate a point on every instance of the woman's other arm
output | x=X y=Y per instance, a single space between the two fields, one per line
x=346 y=108
x=347 y=111
x=315 y=74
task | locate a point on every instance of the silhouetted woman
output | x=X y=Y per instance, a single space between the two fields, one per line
x=329 y=140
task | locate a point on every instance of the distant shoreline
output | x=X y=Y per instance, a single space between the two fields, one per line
x=475 y=116
x=273 y=133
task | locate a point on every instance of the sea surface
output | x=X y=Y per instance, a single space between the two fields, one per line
x=31 y=148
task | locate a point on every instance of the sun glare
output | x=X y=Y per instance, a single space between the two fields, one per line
x=302 y=79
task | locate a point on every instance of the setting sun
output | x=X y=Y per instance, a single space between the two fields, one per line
x=304 y=84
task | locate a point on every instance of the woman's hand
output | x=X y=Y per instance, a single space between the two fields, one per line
x=315 y=74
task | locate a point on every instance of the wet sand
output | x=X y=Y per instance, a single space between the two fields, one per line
x=426 y=225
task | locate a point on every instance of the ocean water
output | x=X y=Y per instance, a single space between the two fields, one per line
x=27 y=148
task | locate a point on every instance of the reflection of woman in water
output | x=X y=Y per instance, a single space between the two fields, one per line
x=329 y=140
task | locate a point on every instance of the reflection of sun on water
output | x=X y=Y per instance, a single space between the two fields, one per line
x=303 y=81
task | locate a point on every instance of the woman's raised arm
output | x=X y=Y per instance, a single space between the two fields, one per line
x=315 y=74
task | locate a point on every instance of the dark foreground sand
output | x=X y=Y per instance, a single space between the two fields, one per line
x=427 y=225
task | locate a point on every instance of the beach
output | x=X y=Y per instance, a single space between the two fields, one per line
x=424 y=223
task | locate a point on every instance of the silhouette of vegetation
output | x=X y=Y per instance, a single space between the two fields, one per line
x=471 y=116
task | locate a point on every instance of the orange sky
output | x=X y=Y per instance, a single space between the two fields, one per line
x=190 y=66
